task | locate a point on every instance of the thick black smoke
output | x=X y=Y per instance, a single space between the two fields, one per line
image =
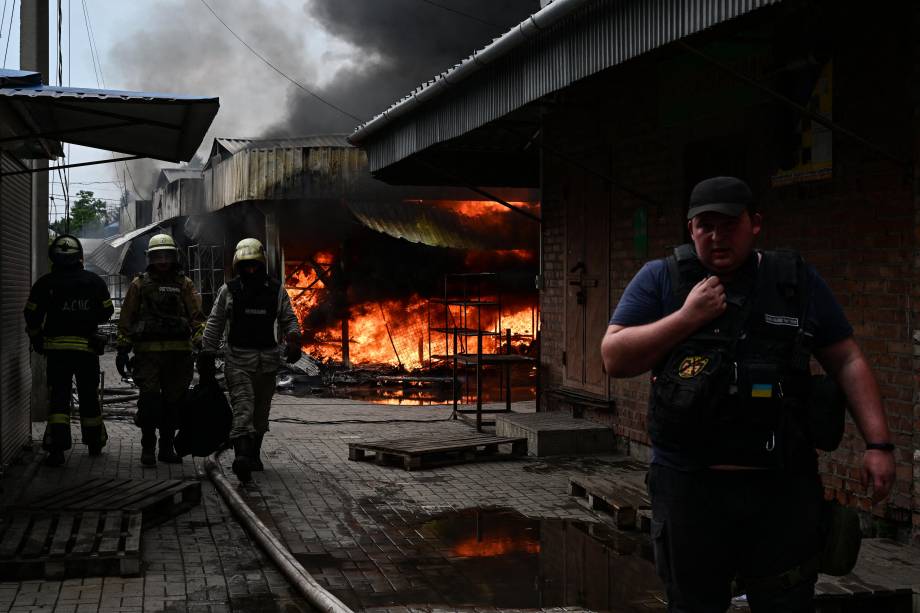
x=396 y=45
x=404 y=43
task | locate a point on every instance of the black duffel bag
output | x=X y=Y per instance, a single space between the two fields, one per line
x=205 y=420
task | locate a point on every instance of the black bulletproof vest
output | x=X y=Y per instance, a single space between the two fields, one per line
x=255 y=309
x=724 y=394
x=163 y=314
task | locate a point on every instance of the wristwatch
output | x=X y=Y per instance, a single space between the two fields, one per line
x=880 y=446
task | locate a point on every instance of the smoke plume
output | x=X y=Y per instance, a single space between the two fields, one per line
x=401 y=43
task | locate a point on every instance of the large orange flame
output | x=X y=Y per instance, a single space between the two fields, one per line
x=404 y=332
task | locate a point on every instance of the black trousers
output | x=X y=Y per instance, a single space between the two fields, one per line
x=63 y=367
x=710 y=527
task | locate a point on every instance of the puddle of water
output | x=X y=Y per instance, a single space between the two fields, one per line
x=513 y=561
x=499 y=558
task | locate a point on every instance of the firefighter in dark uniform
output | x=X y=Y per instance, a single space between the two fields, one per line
x=161 y=319
x=252 y=311
x=64 y=309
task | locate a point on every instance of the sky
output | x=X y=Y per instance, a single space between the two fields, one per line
x=361 y=55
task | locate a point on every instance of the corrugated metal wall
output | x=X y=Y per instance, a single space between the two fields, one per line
x=600 y=35
x=178 y=198
x=15 y=279
x=283 y=174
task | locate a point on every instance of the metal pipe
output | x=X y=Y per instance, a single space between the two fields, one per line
x=93 y=163
x=279 y=554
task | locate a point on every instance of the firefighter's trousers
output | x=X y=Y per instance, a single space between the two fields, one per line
x=251 y=392
x=63 y=367
x=163 y=378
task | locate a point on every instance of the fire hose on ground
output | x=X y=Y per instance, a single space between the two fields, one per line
x=315 y=594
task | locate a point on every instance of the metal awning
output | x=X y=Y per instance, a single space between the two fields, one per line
x=482 y=115
x=109 y=257
x=128 y=236
x=35 y=117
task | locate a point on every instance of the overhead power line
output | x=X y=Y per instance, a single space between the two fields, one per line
x=461 y=13
x=278 y=70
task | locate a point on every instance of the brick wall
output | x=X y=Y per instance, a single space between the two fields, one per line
x=914 y=312
x=858 y=229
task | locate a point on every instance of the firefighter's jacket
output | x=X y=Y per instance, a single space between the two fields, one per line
x=161 y=313
x=65 y=308
x=219 y=331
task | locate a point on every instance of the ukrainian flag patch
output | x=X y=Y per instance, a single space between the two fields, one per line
x=762 y=390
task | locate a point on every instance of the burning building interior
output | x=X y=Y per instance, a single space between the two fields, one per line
x=389 y=283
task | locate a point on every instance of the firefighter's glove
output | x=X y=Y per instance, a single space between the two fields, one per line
x=123 y=363
x=207 y=370
x=38 y=344
x=293 y=351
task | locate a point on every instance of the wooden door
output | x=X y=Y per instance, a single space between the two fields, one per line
x=587 y=205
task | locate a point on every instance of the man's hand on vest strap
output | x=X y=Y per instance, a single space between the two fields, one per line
x=706 y=301
x=878 y=472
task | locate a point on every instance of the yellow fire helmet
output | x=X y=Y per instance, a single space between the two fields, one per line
x=249 y=250
x=162 y=245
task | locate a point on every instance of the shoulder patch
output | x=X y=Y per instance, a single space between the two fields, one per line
x=691 y=366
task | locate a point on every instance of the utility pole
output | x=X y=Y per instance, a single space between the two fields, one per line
x=33 y=55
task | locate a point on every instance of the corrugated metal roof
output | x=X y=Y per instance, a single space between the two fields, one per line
x=107 y=259
x=417 y=224
x=564 y=42
x=235 y=145
x=168 y=175
x=126 y=238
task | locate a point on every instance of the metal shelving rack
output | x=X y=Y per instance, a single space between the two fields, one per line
x=470 y=294
x=206 y=270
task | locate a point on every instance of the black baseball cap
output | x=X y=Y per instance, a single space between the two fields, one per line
x=726 y=195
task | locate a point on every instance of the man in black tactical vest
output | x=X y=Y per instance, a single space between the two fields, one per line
x=251 y=313
x=161 y=320
x=64 y=309
x=728 y=333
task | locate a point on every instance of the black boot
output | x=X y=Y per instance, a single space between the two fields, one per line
x=167 y=452
x=256 y=460
x=55 y=457
x=149 y=446
x=242 y=468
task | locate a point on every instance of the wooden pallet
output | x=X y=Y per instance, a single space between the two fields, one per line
x=437 y=450
x=159 y=500
x=629 y=506
x=59 y=544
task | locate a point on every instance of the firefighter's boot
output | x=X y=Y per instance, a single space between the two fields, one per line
x=242 y=467
x=256 y=460
x=167 y=451
x=55 y=457
x=149 y=446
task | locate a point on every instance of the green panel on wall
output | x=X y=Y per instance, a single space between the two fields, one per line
x=640 y=232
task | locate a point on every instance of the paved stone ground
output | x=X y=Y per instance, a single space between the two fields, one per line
x=372 y=534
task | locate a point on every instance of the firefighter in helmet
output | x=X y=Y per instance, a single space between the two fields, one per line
x=250 y=314
x=64 y=309
x=161 y=319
